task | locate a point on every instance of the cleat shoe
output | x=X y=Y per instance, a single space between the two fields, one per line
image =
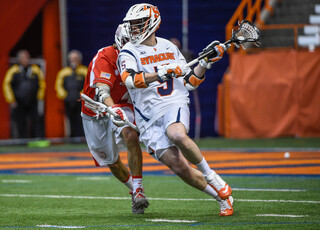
x=135 y=209
x=219 y=185
x=139 y=201
x=226 y=206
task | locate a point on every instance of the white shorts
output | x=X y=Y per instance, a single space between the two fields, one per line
x=155 y=138
x=104 y=138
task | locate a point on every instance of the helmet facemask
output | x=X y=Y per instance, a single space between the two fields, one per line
x=139 y=29
x=144 y=19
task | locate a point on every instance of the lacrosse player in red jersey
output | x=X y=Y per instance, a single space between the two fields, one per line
x=106 y=134
x=153 y=70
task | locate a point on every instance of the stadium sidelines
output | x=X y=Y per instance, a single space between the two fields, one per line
x=299 y=163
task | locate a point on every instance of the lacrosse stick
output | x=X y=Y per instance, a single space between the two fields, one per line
x=99 y=109
x=247 y=32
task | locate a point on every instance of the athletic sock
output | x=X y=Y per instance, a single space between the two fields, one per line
x=204 y=167
x=129 y=183
x=211 y=192
x=137 y=182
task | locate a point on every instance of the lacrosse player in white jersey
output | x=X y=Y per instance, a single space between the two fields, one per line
x=153 y=70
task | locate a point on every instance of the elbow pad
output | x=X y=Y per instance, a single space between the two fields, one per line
x=192 y=81
x=133 y=80
x=103 y=92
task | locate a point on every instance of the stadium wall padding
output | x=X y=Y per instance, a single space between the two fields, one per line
x=54 y=110
x=15 y=18
x=271 y=94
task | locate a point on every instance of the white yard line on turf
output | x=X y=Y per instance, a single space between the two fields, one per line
x=93 y=178
x=171 y=221
x=67 y=197
x=268 y=190
x=277 y=215
x=57 y=226
x=281 y=201
x=163 y=199
x=16 y=181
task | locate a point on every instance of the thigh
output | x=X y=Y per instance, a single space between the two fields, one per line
x=156 y=140
x=155 y=137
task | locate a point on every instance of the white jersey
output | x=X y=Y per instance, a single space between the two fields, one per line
x=153 y=102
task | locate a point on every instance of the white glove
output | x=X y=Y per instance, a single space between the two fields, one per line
x=219 y=48
x=165 y=72
x=119 y=120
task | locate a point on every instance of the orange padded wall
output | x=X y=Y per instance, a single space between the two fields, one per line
x=15 y=18
x=54 y=114
x=271 y=94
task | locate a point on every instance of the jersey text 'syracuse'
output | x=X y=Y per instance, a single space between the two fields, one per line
x=148 y=103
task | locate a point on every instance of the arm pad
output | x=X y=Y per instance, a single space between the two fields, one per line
x=192 y=81
x=133 y=80
x=103 y=92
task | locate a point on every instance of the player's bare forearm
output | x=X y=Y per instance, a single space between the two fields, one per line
x=151 y=77
x=199 y=71
x=108 y=101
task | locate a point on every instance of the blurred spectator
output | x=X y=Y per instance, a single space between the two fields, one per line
x=69 y=84
x=24 y=90
x=188 y=54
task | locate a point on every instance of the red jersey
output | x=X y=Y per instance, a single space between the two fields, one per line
x=103 y=69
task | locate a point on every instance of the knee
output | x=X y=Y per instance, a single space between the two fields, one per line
x=130 y=136
x=177 y=137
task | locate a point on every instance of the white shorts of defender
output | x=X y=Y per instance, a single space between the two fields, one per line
x=104 y=138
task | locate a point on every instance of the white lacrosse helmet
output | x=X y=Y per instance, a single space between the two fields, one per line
x=144 y=19
x=121 y=36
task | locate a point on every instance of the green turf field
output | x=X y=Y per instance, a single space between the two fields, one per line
x=101 y=202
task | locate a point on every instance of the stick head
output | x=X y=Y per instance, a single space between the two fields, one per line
x=247 y=32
